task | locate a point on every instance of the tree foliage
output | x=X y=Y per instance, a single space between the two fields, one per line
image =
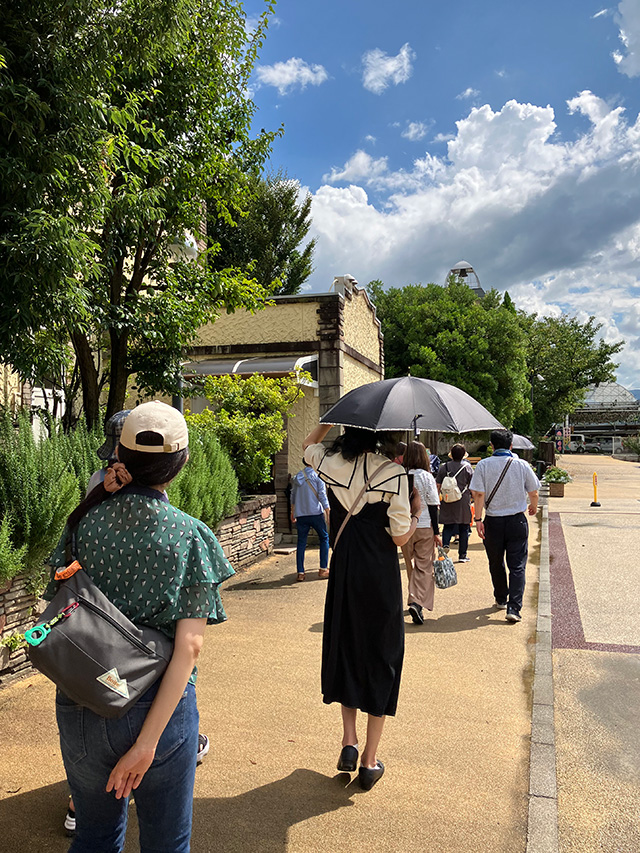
x=119 y=125
x=448 y=334
x=265 y=241
x=247 y=416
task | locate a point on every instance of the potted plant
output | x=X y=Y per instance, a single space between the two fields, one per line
x=556 y=478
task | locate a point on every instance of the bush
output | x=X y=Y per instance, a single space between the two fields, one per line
x=248 y=419
x=38 y=490
x=207 y=487
x=632 y=444
x=11 y=559
x=556 y=475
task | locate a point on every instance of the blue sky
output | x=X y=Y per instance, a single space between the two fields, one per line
x=505 y=134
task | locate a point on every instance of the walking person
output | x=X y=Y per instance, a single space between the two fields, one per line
x=501 y=485
x=363 y=635
x=162 y=569
x=310 y=509
x=421 y=548
x=455 y=515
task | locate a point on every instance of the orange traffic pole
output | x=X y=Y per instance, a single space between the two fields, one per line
x=594 y=502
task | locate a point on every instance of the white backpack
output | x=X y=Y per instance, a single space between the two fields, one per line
x=450 y=489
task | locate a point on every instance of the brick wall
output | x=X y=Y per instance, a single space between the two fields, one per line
x=16 y=615
x=248 y=533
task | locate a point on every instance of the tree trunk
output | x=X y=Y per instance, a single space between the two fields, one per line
x=88 y=378
x=118 y=374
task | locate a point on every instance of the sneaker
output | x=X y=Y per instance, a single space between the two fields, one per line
x=415 y=611
x=513 y=615
x=501 y=605
x=464 y=559
x=70 y=822
x=203 y=748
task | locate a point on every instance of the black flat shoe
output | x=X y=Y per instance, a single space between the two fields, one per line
x=368 y=776
x=348 y=760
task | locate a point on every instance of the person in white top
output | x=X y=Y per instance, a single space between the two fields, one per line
x=421 y=547
x=363 y=633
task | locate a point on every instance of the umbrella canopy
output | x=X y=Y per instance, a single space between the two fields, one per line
x=410 y=403
x=521 y=442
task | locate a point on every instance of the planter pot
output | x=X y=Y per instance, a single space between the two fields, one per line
x=556 y=490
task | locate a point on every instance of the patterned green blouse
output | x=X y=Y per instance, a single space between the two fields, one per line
x=154 y=562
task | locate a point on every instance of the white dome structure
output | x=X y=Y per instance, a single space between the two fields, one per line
x=608 y=395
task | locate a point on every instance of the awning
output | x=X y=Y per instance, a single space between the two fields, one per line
x=280 y=365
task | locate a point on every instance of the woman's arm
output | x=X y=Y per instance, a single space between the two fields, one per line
x=130 y=769
x=316 y=435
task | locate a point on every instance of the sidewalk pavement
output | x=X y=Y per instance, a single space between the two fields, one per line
x=457 y=753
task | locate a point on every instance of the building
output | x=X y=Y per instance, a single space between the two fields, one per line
x=334 y=336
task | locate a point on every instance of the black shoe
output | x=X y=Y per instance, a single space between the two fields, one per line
x=70 y=822
x=368 y=776
x=415 y=611
x=348 y=760
x=513 y=615
x=203 y=748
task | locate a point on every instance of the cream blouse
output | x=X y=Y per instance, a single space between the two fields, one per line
x=348 y=478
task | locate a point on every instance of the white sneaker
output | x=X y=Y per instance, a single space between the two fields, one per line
x=70 y=823
x=464 y=559
x=497 y=604
x=203 y=747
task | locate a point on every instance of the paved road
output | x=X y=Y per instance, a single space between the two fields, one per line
x=595 y=604
x=457 y=754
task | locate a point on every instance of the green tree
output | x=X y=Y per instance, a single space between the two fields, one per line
x=564 y=357
x=448 y=334
x=119 y=125
x=265 y=240
x=247 y=416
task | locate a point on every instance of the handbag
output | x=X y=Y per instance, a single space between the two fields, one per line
x=444 y=572
x=91 y=650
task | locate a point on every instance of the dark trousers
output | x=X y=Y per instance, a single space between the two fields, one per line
x=461 y=530
x=507 y=536
x=304 y=523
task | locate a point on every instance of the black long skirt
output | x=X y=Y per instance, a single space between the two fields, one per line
x=363 y=637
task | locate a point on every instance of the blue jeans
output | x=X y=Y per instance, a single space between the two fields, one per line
x=461 y=530
x=304 y=523
x=91 y=746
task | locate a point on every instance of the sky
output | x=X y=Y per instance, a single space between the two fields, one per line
x=505 y=134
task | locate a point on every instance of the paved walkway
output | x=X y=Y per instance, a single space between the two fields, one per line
x=595 y=603
x=457 y=754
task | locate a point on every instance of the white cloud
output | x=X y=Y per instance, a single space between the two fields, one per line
x=599 y=14
x=501 y=73
x=556 y=223
x=380 y=69
x=415 y=130
x=469 y=92
x=369 y=138
x=291 y=74
x=443 y=137
x=628 y=19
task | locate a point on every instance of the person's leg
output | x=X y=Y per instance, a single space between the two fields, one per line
x=494 y=546
x=421 y=584
x=447 y=532
x=349 y=734
x=374 y=733
x=320 y=527
x=517 y=550
x=463 y=547
x=164 y=798
x=303 y=525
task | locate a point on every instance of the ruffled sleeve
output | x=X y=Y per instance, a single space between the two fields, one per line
x=206 y=568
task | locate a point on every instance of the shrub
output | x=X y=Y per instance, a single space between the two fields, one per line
x=207 y=487
x=632 y=444
x=556 y=475
x=11 y=558
x=38 y=490
x=248 y=419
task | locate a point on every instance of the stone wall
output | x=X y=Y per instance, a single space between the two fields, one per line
x=16 y=615
x=248 y=533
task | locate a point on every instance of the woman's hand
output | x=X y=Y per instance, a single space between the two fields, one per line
x=116 y=477
x=416 y=503
x=130 y=770
x=437 y=539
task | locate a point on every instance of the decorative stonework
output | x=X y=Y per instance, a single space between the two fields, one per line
x=247 y=534
x=17 y=607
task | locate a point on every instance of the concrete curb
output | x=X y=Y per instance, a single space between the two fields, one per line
x=542 y=829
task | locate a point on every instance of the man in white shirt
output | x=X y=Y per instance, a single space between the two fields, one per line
x=501 y=485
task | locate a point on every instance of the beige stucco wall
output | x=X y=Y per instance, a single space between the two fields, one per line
x=274 y=324
x=307 y=415
x=356 y=374
x=11 y=388
x=360 y=328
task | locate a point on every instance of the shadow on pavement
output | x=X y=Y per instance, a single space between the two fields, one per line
x=259 y=583
x=260 y=819
x=33 y=820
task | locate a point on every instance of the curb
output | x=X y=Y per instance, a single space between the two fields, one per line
x=542 y=826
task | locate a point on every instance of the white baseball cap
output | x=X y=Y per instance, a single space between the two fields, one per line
x=156 y=417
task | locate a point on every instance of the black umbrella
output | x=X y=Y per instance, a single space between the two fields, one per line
x=521 y=442
x=410 y=403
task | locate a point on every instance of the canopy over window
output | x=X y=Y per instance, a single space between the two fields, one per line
x=280 y=365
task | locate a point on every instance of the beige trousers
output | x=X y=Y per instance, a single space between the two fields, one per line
x=421 y=546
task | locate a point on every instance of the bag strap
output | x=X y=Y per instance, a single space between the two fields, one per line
x=357 y=500
x=497 y=485
x=311 y=486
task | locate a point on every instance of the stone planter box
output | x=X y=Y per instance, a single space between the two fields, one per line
x=17 y=609
x=556 y=490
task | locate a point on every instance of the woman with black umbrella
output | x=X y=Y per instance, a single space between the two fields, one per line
x=363 y=636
